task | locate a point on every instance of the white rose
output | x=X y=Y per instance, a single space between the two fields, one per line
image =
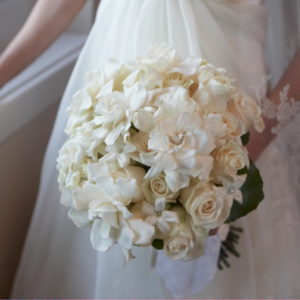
x=156 y=187
x=208 y=205
x=184 y=241
x=246 y=110
x=234 y=127
x=229 y=159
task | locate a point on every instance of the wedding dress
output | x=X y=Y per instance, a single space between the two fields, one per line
x=58 y=260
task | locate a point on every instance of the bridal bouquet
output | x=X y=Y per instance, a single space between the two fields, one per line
x=156 y=154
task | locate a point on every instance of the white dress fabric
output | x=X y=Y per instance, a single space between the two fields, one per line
x=58 y=260
x=275 y=225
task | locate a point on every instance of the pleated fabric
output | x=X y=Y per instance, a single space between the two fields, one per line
x=58 y=260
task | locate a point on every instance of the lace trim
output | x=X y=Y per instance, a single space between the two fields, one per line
x=287 y=109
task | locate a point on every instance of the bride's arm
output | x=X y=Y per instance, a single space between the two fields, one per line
x=48 y=19
x=259 y=141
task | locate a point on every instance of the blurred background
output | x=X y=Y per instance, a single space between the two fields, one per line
x=28 y=106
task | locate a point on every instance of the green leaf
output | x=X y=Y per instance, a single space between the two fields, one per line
x=245 y=138
x=138 y=164
x=243 y=171
x=133 y=127
x=158 y=244
x=253 y=194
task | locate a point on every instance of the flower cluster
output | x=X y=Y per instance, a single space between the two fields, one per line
x=154 y=152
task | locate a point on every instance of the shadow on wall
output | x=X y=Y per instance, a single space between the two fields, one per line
x=28 y=106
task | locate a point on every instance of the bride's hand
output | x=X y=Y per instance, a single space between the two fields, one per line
x=259 y=141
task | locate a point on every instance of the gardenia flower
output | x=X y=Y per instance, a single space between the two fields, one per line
x=79 y=111
x=146 y=134
x=156 y=215
x=95 y=81
x=72 y=165
x=158 y=64
x=208 y=205
x=160 y=57
x=244 y=108
x=118 y=72
x=105 y=168
x=184 y=241
x=140 y=142
x=112 y=117
x=120 y=151
x=213 y=92
x=183 y=149
x=106 y=204
x=177 y=79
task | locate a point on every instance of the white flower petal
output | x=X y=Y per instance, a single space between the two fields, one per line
x=84 y=196
x=114 y=134
x=123 y=159
x=111 y=218
x=160 y=204
x=143 y=120
x=138 y=99
x=98 y=242
x=238 y=196
x=143 y=232
x=153 y=172
x=125 y=237
x=176 y=181
x=127 y=187
x=99 y=169
x=170 y=216
x=128 y=255
x=163 y=226
x=107 y=88
x=107 y=186
x=187 y=67
x=80 y=218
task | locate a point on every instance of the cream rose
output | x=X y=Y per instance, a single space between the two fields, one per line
x=208 y=205
x=245 y=109
x=229 y=159
x=234 y=127
x=154 y=188
x=183 y=240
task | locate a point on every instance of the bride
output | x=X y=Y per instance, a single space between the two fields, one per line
x=58 y=260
